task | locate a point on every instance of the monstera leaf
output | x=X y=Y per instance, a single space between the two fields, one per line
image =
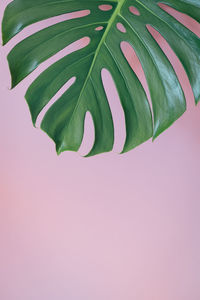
x=64 y=121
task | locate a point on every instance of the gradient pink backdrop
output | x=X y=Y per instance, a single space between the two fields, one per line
x=108 y=227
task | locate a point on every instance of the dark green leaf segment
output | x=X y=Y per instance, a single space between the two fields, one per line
x=64 y=120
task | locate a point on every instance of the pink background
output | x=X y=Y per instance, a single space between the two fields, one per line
x=108 y=227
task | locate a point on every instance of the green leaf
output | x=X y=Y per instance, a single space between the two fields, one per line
x=64 y=121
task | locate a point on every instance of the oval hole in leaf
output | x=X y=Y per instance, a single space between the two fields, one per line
x=99 y=28
x=184 y=19
x=116 y=110
x=105 y=7
x=134 y=10
x=64 y=88
x=89 y=135
x=121 y=27
x=136 y=66
x=175 y=62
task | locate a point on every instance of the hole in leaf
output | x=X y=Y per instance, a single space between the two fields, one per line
x=134 y=10
x=88 y=136
x=34 y=28
x=105 y=7
x=136 y=66
x=121 y=27
x=183 y=18
x=116 y=110
x=69 y=16
x=69 y=49
x=64 y=88
x=79 y=44
x=175 y=62
x=99 y=28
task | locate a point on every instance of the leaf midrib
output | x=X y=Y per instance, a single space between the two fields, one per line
x=110 y=23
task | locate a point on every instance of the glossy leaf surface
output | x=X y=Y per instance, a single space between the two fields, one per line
x=64 y=121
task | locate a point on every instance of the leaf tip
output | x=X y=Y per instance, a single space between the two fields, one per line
x=5 y=39
x=59 y=149
x=197 y=101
